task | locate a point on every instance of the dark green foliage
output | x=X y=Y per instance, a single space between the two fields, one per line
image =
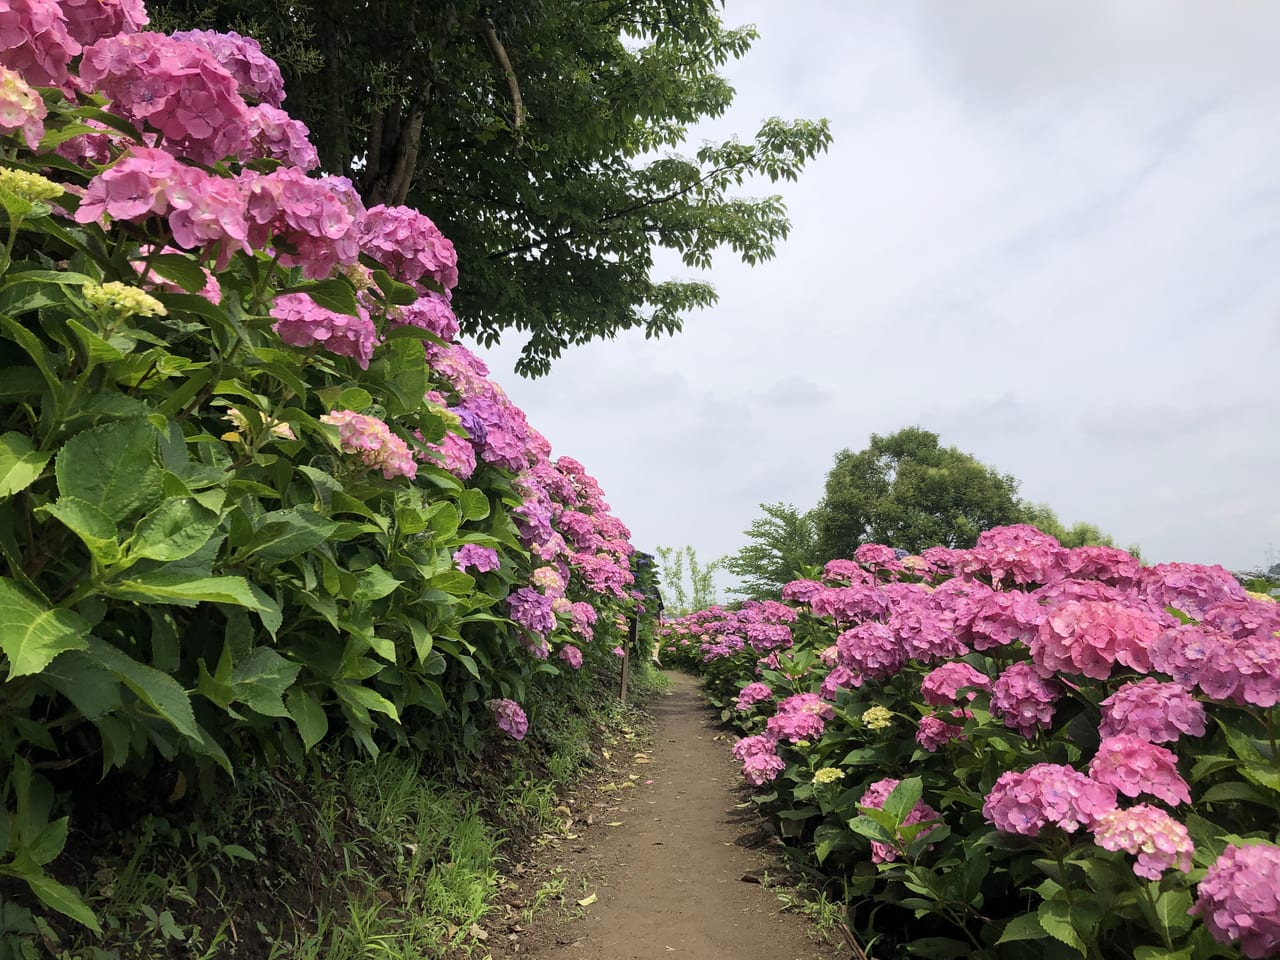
x=556 y=205
x=782 y=544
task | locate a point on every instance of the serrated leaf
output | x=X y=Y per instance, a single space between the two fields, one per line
x=334 y=294
x=474 y=503
x=20 y=462
x=32 y=633
x=260 y=681
x=1055 y=918
x=95 y=529
x=165 y=587
x=1025 y=927
x=180 y=269
x=114 y=467
x=157 y=690
x=174 y=530
x=309 y=715
x=62 y=898
x=374 y=584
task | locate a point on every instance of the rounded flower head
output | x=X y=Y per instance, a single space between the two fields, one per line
x=35 y=41
x=752 y=694
x=877 y=718
x=1135 y=767
x=121 y=299
x=372 y=441
x=300 y=321
x=828 y=775
x=257 y=76
x=510 y=717
x=29 y=186
x=934 y=733
x=800 y=717
x=478 y=558
x=409 y=245
x=760 y=760
x=1091 y=637
x=871 y=649
x=1239 y=899
x=532 y=610
x=1048 y=793
x=1024 y=698
x=942 y=685
x=1154 y=711
x=571 y=655
x=21 y=108
x=1159 y=841
x=90 y=20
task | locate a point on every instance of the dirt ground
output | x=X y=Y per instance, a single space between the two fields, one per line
x=660 y=864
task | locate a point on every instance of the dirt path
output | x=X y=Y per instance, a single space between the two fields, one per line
x=673 y=871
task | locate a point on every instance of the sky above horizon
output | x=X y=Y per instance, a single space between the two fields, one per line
x=1047 y=232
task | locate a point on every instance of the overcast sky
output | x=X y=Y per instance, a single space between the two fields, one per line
x=1047 y=231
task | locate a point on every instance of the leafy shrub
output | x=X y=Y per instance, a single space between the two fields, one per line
x=1017 y=750
x=252 y=495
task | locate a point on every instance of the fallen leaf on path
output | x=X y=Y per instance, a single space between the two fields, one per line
x=477 y=932
x=587 y=901
x=615 y=823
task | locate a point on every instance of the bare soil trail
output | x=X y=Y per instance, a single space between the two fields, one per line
x=674 y=877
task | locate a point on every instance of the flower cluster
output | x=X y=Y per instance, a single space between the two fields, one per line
x=478 y=558
x=874 y=798
x=257 y=76
x=942 y=685
x=300 y=321
x=1024 y=699
x=752 y=694
x=1091 y=637
x=1134 y=767
x=409 y=245
x=510 y=717
x=372 y=441
x=1160 y=842
x=759 y=756
x=1157 y=712
x=35 y=41
x=21 y=108
x=1239 y=899
x=800 y=717
x=1048 y=793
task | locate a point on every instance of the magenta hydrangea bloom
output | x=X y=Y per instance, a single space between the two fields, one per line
x=999 y=618
x=941 y=686
x=1091 y=637
x=409 y=245
x=314 y=220
x=759 y=757
x=582 y=616
x=372 y=441
x=21 y=108
x=431 y=312
x=571 y=655
x=840 y=678
x=478 y=558
x=175 y=87
x=1134 y=767
x=1111 y=565
x=510 y=717
x=1157 y=712
x=934 y=733
x=871 y=649
x=1020 y=553
x=90 y=20
x=1160 y=841
x=802 y=591
x=300 y=321
x=847 y=571
x=144 y=181
x=257 y=76
x=874 y=797
x=752 y=694
x=1239 y=899
x=1048 y=793
x=275 y=135
x=800 y=717
x=877 y=556
x=1024 y=699
x=1189 y=587
x=35 y=41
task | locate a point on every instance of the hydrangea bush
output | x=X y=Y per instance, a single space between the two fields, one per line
x=1017 y=750
x=253 y=495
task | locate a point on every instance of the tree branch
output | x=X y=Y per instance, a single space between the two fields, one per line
x=499 y=52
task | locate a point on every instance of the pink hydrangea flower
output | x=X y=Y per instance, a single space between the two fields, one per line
x=800 y=717
x=1157 y=712
x=848 y=571
x=510 y=717
x=1159 y=841
x=874 y=797
x=1133 y=766
x=571 y=655
x=583 y=617
x=1189 y=587
x=478 y=558
x=144 y=181
x=257 y=76
x=173 y=86
x=759 y=757
x=300 y=321
x=275 y=135
x=942 y=685
x=431 y=312
x=1048 y=793
x=1000 y=618
x=752 y=694
x=1091 y=637
x=212 y=291
x=1024 y=699
x=409 y=245
x=877 y=556
x=1108 y=564
x=871 y=649
x=35 y=41
x=802 y=591
x=315 y=221
x=1239 y=899
x=934 y=733
x=21 y=108
x=372 y=441
x=1020 y=553
x=90 y=20
x=840 y=678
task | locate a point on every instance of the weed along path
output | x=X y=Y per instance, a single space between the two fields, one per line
x=673 y=878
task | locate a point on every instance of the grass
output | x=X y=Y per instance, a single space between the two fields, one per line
x=344 y=859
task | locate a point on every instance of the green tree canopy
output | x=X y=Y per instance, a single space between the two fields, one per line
x=538 y=135
x=908 y=491
x=783 y=544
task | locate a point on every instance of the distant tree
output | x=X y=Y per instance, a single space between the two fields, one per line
x=783 y=545
x=687 y=584
x=908 y=491
x=541 y=136
x=1081 y=534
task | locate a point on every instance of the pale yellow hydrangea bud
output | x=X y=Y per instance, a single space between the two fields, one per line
x=827 y=775
x=29 y=186
x=122 y=298
x=877 y=718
